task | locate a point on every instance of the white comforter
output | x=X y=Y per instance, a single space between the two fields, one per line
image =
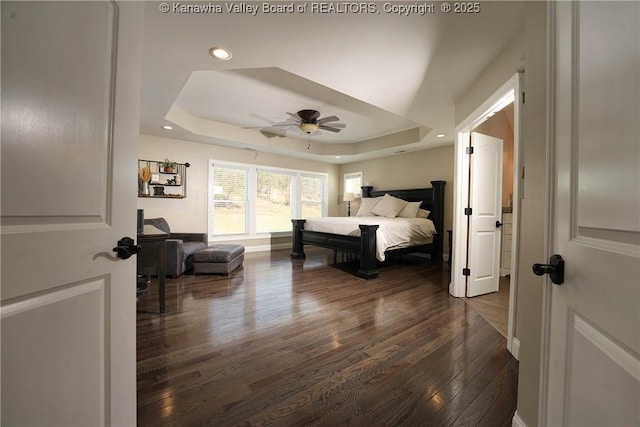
x=392 y=233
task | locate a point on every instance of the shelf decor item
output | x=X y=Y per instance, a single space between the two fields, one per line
x=168 y=166
x=144 y=176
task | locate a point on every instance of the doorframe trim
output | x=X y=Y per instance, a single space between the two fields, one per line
x=547 y=290
x=457 y=287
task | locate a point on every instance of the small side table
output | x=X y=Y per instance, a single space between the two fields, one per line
x=152 y=255
x=450 y=247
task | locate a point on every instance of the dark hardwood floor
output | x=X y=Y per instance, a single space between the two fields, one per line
x=297 y=342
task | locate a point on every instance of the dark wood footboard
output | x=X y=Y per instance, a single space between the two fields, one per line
x=297 y=249
x=365 y=245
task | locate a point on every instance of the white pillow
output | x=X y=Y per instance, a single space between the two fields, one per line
x=366 y=204
x=410 y=211
x=423 y=213
x=389 y=206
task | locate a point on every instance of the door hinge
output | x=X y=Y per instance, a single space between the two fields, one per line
x=466 y=272
x=523 y=97
x=468 y=211
x=469 y=150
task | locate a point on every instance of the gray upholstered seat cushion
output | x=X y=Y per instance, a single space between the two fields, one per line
x=218 y=253
x=190 y=248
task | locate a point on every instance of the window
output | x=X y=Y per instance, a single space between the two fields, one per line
x=352 y=183
x=312 y=196
x=273 y=201
x=229 y=195
x=251 y=200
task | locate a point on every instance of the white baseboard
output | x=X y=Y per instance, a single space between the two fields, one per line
x=515 y=348
x=267 y=248
x=517 y=421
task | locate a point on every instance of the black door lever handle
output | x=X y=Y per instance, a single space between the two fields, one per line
x=555 y=269
x=498 y=224
x=126 y=247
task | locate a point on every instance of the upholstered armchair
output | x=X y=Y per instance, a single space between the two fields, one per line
x=180 y=247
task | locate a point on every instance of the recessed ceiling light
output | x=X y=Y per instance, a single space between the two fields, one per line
x=220 y=53
x=440 y=135
x=167 y=127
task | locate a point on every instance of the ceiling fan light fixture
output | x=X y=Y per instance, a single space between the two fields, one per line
x=308 y=127
x=220 y=53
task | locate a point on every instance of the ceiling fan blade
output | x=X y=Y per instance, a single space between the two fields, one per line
x=327 y=119
x=294 y=116
x=329 y=128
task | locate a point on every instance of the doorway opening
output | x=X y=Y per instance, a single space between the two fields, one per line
x=498 y=116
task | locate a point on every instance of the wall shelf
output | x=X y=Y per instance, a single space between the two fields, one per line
x=175 y=181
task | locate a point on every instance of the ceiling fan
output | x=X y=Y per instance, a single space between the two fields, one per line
x=309 y=121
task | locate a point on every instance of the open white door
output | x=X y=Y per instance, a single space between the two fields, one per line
x=593 y=363
x=486 y=214
x=70 y=108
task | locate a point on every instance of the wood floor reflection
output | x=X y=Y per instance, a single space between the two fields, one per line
x=297 y=342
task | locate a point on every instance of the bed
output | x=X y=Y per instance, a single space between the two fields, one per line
x=363 y=242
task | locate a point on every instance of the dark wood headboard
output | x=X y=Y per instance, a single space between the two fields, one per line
x=432 y=200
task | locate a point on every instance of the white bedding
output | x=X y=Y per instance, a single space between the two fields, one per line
x=392 y=233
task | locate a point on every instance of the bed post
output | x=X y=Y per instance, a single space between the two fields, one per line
x=297 y=251
x=366 y=190
x=368 y=261
x=438 y=218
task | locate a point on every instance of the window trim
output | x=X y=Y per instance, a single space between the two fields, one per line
x=252 y=192
x=352 y=175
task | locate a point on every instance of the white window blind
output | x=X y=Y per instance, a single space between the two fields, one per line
x=274 y=201
x=352 y=183
x=312 y=196
x=229 y=200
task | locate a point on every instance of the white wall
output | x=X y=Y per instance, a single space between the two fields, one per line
x=532 y=212
x=492 y=78
x=190 y=214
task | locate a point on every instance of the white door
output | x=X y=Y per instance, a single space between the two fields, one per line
x=486 y=215
x=70 y=108
x=594 y=330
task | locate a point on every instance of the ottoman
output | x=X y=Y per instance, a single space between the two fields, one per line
x=218 y=259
